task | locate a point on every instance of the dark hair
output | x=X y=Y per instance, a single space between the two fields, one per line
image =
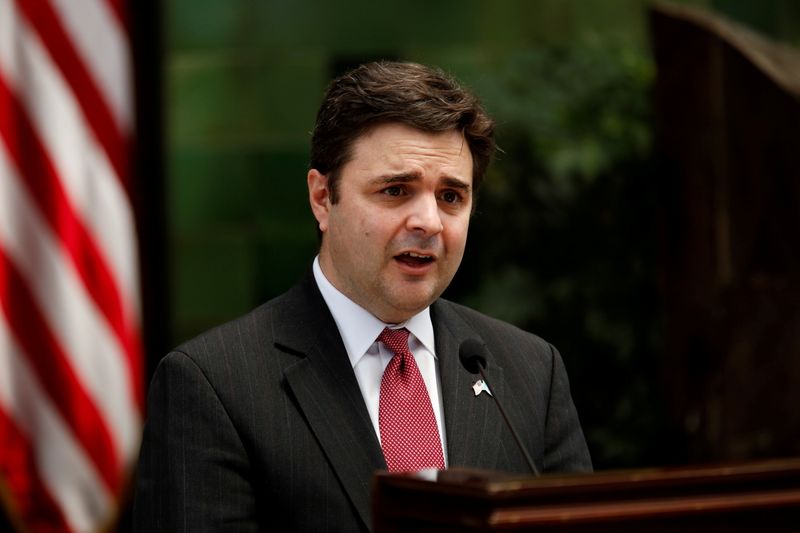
x=384 y=92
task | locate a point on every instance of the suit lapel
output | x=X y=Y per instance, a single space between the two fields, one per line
x=326 y=390
x=472 y=422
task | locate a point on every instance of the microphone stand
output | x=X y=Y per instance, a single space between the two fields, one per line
x=510 y=426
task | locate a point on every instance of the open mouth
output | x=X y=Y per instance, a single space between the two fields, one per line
x=414 y=259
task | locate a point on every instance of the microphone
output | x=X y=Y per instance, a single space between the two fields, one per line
x=472 y=355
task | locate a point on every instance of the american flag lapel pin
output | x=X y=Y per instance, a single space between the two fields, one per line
x=479 y=387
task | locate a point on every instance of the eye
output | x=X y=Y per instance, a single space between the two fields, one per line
x=394 y=190
x=451 y=197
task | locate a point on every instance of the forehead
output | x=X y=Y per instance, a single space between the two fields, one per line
x=397 y=146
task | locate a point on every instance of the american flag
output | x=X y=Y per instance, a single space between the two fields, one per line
x=71 y=392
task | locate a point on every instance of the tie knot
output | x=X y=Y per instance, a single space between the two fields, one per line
x=395 y=339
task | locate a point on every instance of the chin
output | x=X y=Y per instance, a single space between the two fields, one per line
x=410 y=308
x=410 y=299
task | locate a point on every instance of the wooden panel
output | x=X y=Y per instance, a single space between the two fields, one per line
x=727 y=107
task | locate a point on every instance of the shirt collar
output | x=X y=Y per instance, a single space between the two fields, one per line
x=359 y=328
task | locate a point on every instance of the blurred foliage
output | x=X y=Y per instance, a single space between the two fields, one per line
x=563 y=242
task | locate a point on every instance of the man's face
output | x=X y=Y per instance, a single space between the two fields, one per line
x=395 y=238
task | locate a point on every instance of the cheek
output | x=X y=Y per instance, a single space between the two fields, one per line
x=378 y=226
x=365 y=227
x=456 y=234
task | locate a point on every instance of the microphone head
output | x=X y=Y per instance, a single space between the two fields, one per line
x=472 y=354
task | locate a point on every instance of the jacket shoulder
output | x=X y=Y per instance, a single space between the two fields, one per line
x=249 y=333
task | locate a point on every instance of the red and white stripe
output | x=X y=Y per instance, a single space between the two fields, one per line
x=71 y=391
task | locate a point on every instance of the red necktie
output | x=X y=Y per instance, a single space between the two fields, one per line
x=409 y=435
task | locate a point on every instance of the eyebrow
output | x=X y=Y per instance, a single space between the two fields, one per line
x=409 y=177
x=404 y=177
x=456 y=183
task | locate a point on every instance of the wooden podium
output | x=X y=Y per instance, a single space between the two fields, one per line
x=759 y=496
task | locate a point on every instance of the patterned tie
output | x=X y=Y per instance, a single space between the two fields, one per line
x=409 y=435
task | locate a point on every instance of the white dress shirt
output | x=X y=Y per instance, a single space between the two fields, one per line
x=359 y=330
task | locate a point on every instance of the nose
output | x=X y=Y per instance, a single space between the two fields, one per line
x=425 y=216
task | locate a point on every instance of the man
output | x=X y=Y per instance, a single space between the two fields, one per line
x=280 y=418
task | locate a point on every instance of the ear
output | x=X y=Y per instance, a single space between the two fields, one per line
x=319 y=197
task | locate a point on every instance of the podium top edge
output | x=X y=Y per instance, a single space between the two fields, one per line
x=783 y=472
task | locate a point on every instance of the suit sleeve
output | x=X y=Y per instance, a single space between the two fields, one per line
x=193 y=469
x=565 y=446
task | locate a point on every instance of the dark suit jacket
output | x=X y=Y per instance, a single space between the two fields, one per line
x=259 y=424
